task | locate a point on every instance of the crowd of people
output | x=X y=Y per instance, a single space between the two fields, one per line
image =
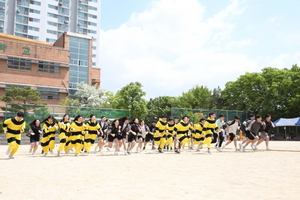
x=166 y=134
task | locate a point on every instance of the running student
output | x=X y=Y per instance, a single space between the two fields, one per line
x=159 y=136
x=13 y=128
x=135 y=130
x=210 y=127
x=232 y=127
x=170 y=134
x=64 y=126
x=176 y=121
x=77 y=130
x=94 y=129
x=199 y=134
x=220 y=123
x=49 y=128
x=182 y=130
x=145 y=130
x=149 y=136
x=264 y=135
x=103 y=135
x=254 y=127
x=246 y=123
x=125 y=127
x=114 y=132
x=36 y=129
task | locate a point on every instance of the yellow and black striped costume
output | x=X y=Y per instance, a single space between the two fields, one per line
x=14 y=127
x=182 y=129
x=77 y=131
x=159 y=135
x=210 y=127
x=48 y=140
x=198 y=134
x=170 y=134
x=63 y=135
x=89 y=139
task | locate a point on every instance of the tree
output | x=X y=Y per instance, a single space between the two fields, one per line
x=216 y=101
x=131 y=97
x=161 y=105
x=196 y=98
x=89 y=96
x=20 y=96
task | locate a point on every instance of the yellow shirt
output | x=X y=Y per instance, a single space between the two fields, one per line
x=183 y=128
x=14 y=126
x=161 y=127
x=199 y=130
x=48 y=128
x=170 y=128
x=64 y=126
x=77 y=128
x=210 y=126
x=93 y=127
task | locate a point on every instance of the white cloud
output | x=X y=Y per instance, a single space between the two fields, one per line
x=170 y=47
x=281 y=60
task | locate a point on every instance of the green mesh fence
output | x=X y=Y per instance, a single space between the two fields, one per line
x=43 y=111
x=196 y=114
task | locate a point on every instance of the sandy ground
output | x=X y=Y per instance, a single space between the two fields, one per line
x=148 y=175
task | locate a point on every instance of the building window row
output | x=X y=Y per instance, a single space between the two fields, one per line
x=85 y=16
x=85 y=24
x=25 y=11
x=47 y=67
x=87 y=1
x=27 y=36
x=86 y=8
x=57 y=33
x=48 y=93
x=60 y=27
x=62 y=11
x=61 y=19
x=19 y=64
x=50 y=40
x=24 y=28
x=25 y=20
x=27 y=2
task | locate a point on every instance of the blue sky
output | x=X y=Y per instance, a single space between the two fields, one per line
x=184 y=43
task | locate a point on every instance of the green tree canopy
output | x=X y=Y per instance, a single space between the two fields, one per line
x=197 y=97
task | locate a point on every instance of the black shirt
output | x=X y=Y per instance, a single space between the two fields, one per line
x=35 y=130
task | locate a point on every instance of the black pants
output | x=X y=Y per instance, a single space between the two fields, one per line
x=215 y=137
x=221 y=139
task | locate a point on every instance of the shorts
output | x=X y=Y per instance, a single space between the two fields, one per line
x=263 y=135
x=131 y=138
x=231 y=136
x=111 y=138
x=251 y=136
x=139 y=137
x=247 y=134
x=121 y=137
x=33 y=140
x=149 y=137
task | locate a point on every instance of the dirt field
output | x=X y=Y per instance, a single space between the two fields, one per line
x=148 y=175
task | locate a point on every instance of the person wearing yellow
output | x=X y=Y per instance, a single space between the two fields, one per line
x=160 y=133
x=94 y=129
x=198 y=134
x=49 y=128
x=182 y=129
x=64 y=126
x=170 y=134
x=210 y=127
x=77 y=130
x=13 y=128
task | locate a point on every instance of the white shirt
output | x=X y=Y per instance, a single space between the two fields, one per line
x=233 y=128
x=143 y=128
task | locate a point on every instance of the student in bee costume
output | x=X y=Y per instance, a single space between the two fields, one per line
x=64 y=126
x=12 y=129
x=210 y=127
x=198 y=133
x=170 y=134
x=94 y=129
x=49 y=128
x=182 y=129
x=160 y=133
x=77 y=130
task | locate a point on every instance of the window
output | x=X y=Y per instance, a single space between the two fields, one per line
x=92 y=8
x=21 y=19
x=34 y=11
x=94 y=63
x=33 y=37
x=82 y=15
x=58 y=34
x=33 y=28
x=63 y=11
x=63 y=27
x=47 y=67
x=82 y=31
x=93 y=1
x=83 y=8
x=21 y=28
x=19 y=64
x=94 y=48
x=50 y=40
x=94 y=55
x=92 y=24
x=1 y=15
x=61 y=19
x=16 y=86
x=33 y=19
x=23 y=2
x=48 y=93
x=92 y=32
x=35 y=2
x=93 y=16
x=22 y=10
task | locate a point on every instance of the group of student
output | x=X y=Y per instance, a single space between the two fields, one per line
x=166 y=134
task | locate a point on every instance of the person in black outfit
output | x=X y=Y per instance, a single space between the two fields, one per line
x=114 y=132
x=36 y=130
x=149 y=136
x=103 y=134
x=264 y=134
x=125 y=127
x=135 y=130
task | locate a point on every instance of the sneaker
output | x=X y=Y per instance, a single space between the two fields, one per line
x=33 y=154
x=51 y=151
x=219 y=149
x=76 y=154
x=160 y=151
x=268 y=149
x=140 y=150
x=244 y=148
x=87 y=154
x=252 y=146
x=58 y=153
x=126 y=153
x=107 y=149
x=11 y=157
x=191 y=148
x=171 y=148
x=198 y=149
x=255 y=147
x=177 y=151
x=96 y=147
x=8 y=151
x=45 y=154
x=137 y=149
x=116 y=153
x=209 y=151
x=30 y=150
x=144 y=148
x=153 y=147
x=236 y=149
x=240 y=145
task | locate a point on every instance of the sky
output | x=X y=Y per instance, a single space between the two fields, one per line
x=171 y=46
